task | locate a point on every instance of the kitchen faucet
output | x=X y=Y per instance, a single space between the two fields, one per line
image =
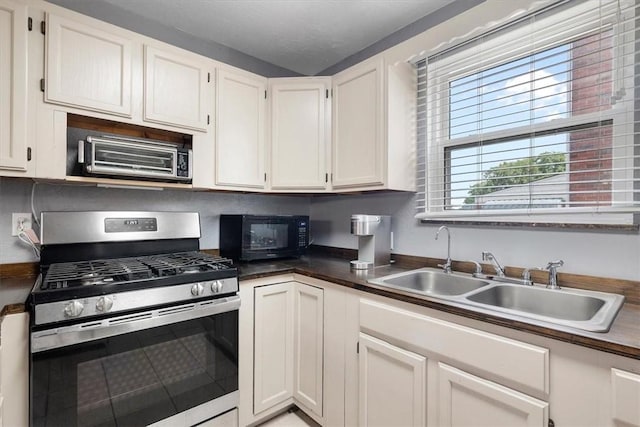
x=447 y=265
x=553 y=274
x=488 y=256
x=552 y=267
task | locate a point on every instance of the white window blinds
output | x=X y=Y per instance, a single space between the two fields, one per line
x=538 y=117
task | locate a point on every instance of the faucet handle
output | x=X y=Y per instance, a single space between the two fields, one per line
x=526 y=275
x=554 y=264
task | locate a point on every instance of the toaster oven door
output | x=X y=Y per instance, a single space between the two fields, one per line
x=105 y=156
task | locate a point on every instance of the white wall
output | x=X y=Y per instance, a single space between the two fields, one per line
x=15 y=196
x=597 y=253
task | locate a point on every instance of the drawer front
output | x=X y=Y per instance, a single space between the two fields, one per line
x=502 y=358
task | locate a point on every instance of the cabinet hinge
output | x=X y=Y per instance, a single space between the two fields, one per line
x=28 y=154
x=41 y=85
x=208 y=77
x=208 y=119
x=358 y=347
x=43 y=27
x=551 y=423
x=30 y=23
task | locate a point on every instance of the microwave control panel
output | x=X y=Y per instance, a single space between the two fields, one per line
x=302 y=234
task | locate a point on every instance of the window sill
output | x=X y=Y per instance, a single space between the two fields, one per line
x=615 y=221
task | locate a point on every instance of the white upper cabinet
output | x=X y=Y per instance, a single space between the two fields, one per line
x=357 y=126
x=240 y=131
x=175 y=88
x=373 y=143
x=87 y=67
x=300 y=129
x=13 y=86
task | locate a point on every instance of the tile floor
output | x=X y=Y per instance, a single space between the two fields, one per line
x=291 y=419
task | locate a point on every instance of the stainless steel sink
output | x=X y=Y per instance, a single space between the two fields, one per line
x=587 y=310
x=432 y=283
x=575 y=308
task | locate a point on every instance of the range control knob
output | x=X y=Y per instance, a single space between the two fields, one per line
x=73 y=309
x=104 y=304
x=216 y=286
x=197 y=289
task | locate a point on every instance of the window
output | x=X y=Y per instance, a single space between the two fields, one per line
x=534 y=119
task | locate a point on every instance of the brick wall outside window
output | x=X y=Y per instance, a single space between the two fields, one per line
x=590 y=150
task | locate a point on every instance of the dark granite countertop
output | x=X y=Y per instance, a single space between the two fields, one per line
x=622 y=339
x=15 y=290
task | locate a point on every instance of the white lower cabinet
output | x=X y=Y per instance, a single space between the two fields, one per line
x=308 y=346
x=466 y=400
x=625 y=398
x=14 y=363
x=288 y=346
x=392 y=385
x=350 y=358
x=273 y=348
x=428 y=386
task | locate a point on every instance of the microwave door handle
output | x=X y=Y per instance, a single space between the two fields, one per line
x=81 y=151
x=175 y=162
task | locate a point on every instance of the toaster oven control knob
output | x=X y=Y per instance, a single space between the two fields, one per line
x=216 y=286
x=104 y=304
x=73 y=309
x=197 y=289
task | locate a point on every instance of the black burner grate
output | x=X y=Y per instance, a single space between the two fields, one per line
x=125 y=270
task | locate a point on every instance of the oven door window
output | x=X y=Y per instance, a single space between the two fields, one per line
x=136 y=378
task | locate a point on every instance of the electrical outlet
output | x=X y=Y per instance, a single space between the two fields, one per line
x=20 y=222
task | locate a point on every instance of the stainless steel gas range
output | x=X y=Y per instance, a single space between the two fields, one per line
x=130 y=323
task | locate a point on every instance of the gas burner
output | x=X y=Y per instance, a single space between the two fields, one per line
x=128 y=270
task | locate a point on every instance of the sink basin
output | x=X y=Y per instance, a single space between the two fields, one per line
x=576 y=308
x=429 y=282
x=592 y=311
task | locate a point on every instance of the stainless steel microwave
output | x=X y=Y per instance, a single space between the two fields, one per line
x=254 y=237
x=136 y=158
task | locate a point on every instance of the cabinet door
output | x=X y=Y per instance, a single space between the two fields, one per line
x=87 y=68
x=174 y=89
x=392 y=385
x=14 y=358
x=298 y=134
x=466 y=400
x=625 y=400
x=240 y=130
x=308 y=346
x=358 y=126
x=273 y=349
x=13 y=85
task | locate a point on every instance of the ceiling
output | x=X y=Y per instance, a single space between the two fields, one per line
x=305 y=36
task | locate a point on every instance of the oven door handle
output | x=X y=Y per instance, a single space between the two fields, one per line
x=99 y=329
